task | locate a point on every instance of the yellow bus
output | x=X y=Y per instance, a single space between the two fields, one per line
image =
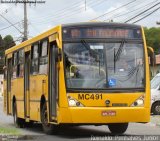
x=90 y=73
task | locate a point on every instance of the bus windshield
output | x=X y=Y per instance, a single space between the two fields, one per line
x=102 y=65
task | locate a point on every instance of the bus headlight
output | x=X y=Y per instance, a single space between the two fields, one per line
x=73 y=102
x=138 y=102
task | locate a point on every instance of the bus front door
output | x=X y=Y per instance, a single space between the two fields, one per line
x=26 y=86
x=53 y=78
x=9 y=66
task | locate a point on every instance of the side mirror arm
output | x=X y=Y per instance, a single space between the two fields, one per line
x=58 y=54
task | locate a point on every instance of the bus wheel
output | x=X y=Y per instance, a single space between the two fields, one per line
x=18 y=122
x=156 y=108
x=47 y=127
x=118 y=128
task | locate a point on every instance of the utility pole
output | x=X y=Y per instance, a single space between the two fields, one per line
x=25 y=24
x=25 y=37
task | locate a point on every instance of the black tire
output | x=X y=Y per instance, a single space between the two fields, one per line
x=118 y=128
x=47 y=127
x=156 y=108
x=18 y=122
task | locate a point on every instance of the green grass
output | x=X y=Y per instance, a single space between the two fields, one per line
x=9 y=131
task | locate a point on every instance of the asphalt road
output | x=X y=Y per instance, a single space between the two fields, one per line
x=35 y=133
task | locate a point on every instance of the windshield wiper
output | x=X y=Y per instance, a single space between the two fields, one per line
x=87 y=46
x=93 y=53
x=118 y=54
x=131 y=73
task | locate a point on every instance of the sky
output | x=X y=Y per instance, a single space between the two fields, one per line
x=53 y=12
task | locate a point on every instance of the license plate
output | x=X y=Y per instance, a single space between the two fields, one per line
x=108 y=113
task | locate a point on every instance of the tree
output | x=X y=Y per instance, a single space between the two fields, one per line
x=1 y=41
x=8 y=42
x=1 y=54
x=5 y=43
x=153 y=38
x=1 y=46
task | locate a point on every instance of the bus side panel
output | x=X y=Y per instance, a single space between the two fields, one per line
x=34 y=89
x=17 y=90
x=14 y=93
x=33 y=110
x=44 y=85
x=38 y=87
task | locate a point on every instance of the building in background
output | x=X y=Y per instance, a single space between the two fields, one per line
x=156 y=69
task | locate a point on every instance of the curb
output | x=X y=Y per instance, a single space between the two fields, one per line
x=17 y=137
x=155 y=120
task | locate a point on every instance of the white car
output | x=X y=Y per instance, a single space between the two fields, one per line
x=155 y=95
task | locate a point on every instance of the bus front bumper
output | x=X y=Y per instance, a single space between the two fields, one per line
x=103 y=115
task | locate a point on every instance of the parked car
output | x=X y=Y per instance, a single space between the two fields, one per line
x=155 y=95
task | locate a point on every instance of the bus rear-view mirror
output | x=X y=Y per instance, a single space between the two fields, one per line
x=151 y=55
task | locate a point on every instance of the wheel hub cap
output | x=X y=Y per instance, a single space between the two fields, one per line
x=158 y=108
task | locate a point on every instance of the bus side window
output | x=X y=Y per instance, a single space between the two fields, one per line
x=43 y=57
x=14 y=69
x=35 y=59
x=20 y=63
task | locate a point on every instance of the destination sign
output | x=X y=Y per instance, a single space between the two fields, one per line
x=101 y=32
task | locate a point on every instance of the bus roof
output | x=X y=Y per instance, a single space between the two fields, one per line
x=102 y=24
x=34 y=39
